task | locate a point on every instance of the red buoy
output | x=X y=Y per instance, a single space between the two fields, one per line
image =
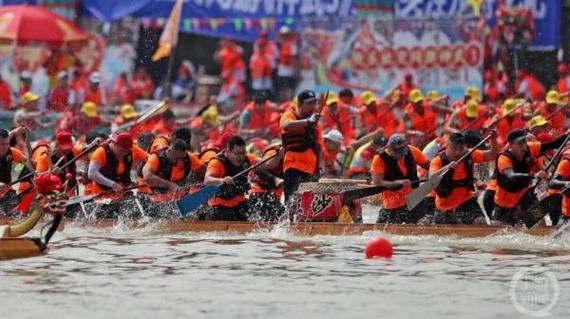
x=379 y=247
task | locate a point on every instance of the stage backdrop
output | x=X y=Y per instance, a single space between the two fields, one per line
x=370 y=54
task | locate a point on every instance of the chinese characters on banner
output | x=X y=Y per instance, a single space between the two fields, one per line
x=446 y=55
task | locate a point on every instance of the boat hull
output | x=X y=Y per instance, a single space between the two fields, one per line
x=314 y=228
x=15 y=248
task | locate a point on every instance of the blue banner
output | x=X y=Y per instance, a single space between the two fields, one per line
x=546 y=15
x=109 y=10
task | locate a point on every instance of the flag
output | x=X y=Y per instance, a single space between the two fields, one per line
x=169 y=35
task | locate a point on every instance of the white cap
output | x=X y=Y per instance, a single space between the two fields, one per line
x=284 y=30
x=27 y=75
x=62 y=74
x=95 y=77
x=334 y=136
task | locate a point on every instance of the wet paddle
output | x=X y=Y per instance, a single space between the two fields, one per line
x=192 y=201
x=145 y=116
x=415 y=197
x=87 y=198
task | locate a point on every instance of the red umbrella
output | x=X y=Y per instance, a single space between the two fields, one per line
x=24 y=24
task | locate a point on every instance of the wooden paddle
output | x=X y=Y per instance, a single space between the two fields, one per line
x=192 y=201
x=145 y=116
x=415 y=197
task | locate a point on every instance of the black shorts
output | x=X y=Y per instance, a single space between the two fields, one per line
x=237 y=213
x=292 y=179
x=402 y=215
x=527 y=211
x=464 y=214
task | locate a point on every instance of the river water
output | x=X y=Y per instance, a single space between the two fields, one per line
x=123 y=273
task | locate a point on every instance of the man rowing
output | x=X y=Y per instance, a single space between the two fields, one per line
x=110 y=168
x=455 y=200
x=516 y=168
x=396 y=169
x=8 y=157
x=230 y=202
x=167 y=172
x=60 y=152
x=267 y=187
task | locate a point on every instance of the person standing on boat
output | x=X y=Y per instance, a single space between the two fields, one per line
x=229 y=203
x=455 y=201
x=516 y=168
x=396 y=169
x=301 y=139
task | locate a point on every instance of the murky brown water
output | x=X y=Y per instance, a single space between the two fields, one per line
x=137 y=274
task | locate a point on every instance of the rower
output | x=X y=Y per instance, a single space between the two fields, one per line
x=61 y=152
x=110 y=165
x=561 y=181
x=301 y=139
x=229 y=203
x=267 y=187
x=470 y=116
x=8 y=156
x=331 y=149
x=374 y=112
x=168 y=171
x=396 y=169
x=455 y=201
x=420 y=117
x=549 y=109
x=511 y=121
x=339 y=116
x=515 y=170
x=162 y=141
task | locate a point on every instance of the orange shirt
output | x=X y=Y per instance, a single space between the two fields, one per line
x=392 y=199
x=216 y=169
x=470 y=123
x=558 y=120
x=381 y=118
x=424 y=123
x=159 y=143
x=100 y=157
x=255 y=188
x=44 y=160
x=177 y=174
x=506 y=125
x=504 y=198
x=459 y=195
x=564 y=171
x=342 y=120
x=305 y=161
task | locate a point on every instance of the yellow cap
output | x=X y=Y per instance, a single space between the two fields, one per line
x=471 y=108
x=89 y=109
x=508 y=106
x=367 y=97
x=29 y=97
x=553 y=97
x=128 y=112
x=331 y=100
x=433 y=95
x=473 y=92
x=538 y=121
x=210 y=116
x=416 y=96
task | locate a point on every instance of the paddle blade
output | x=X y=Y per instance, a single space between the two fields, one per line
x=192 y=201
x=415 y=197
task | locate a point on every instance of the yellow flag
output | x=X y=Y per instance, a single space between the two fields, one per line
x=169 y=35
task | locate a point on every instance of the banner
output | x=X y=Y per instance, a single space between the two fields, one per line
x=546 y=15
x=109 y=10
x=443 y=55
